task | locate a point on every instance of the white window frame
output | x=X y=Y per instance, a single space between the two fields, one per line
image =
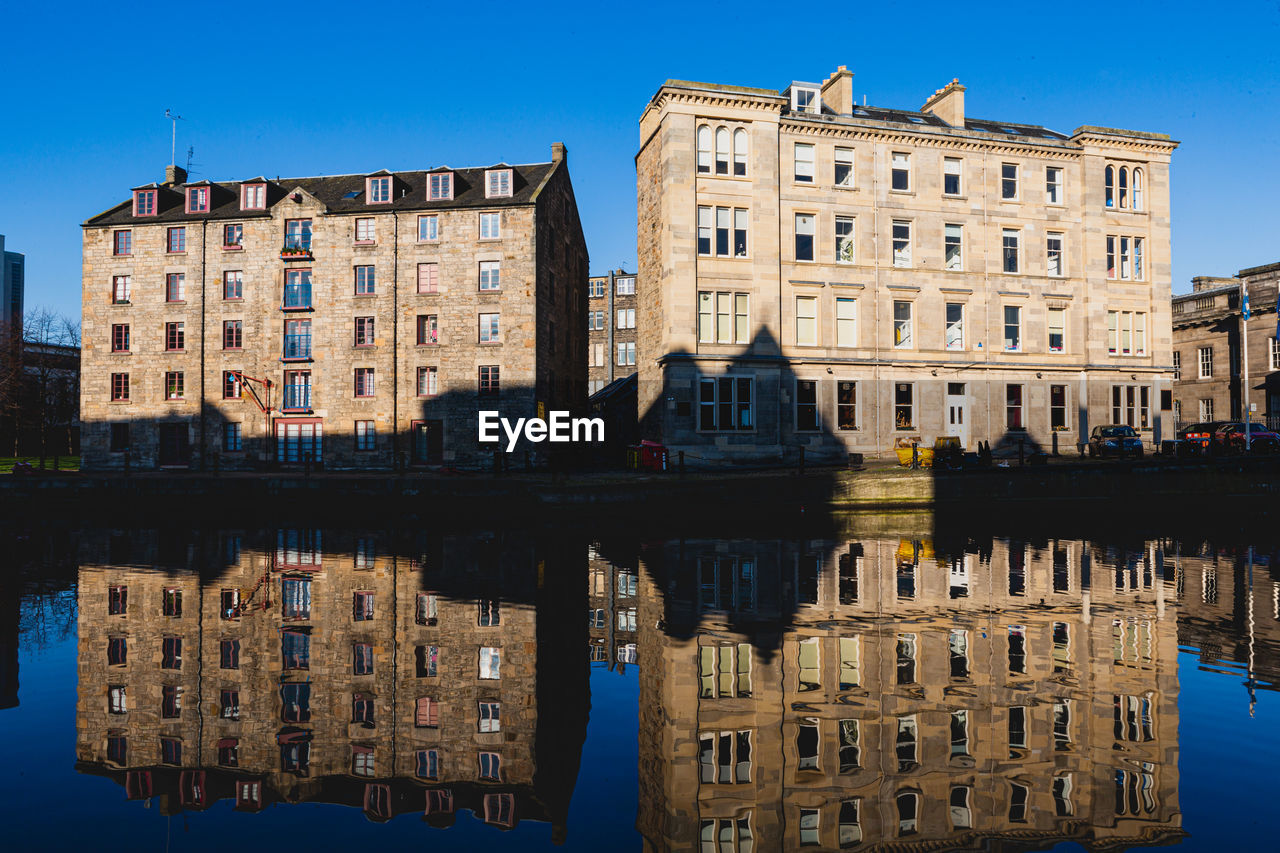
x=957 y=343
x=846 y=321
x=900 y=258
x=953 y=166
x=810 y=224
x=703 y=140
x=428 y=224
x=844 y=157
x=907 y=323
x=948 y=230
x=490 y=276
x=1004 y=182
x=1059 y=254
x=1014 y=234
x=1049 y=321
x=1005 y=325
x=846 y=244
x=440 y=186
x=498 y=183
x=806 y=320
x=900 y=161
x=810 y=104
x=1204 y=361
x=1053 y=187
x=804 y=163
x=491 y=226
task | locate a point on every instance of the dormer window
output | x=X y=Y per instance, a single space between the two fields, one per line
x=497 y=183
x=253 y=197
x=378 y=190
x=804 y=100
x=144 y=202
x=197 y=199
x=440 y=186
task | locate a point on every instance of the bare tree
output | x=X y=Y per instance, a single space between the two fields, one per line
x=50 y=397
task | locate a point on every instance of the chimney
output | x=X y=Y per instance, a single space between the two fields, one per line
x=174 y=175
x=837 y=92
x=558 y=152
x=947 y=103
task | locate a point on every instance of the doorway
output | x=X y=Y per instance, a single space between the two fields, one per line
x=175 y=446
x=957 y=420
x=428 y=442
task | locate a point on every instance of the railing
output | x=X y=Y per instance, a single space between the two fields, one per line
x=297 y=295
x=297 y=397
x=297 y=346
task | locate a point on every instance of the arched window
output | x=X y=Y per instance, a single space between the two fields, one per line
x=1137 y=189
x=704 y=150
x=740 y=153
x=722 y=151
x=1124 y=186
x=1110 y=182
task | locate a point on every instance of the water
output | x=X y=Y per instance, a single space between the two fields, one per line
x=858 y=683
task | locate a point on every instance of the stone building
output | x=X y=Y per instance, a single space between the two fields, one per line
x=384 y=310
x=611 y=611
x=995 y=694
x=333 y=667
x=832 y=276
x=1207 y=345
x=13 y=268
x=611 y=324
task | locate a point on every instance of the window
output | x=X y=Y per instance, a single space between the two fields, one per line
x=626 y=318
x=118 y=601
x=907 y=744
x=144 y=203
x=490 y=767
x=704 y=149
x=490 y=275
x=428 y=661
x=846 y=247
x=364 y=332
x=120 y=337
x=497 y=183
x=596 y=288
x=903 y=408
x=119 y=437
x=1131 y=404
x=804 y=100
x=1013 y=407
x=1053 y=254
x=900 y=171
x=1177 y=361
x=488 y=613
x=362 y=658
x=846 y=322
x=705 y=215
x=1057 y=330
x=197 y=199
x=739 y=239
x=1137 y=189
x=428 y=227
x=297 y=234
x=122 y=243
x=440 y=186
x=722 y=151
x=1130 y=262
x=1206 y=362
x=489 y=714
x=295 y=599
x=118 y=749
x=297 y=288
x=489 y=380
x=428 y=330
x=253 y=196
x=955 y=325
x=805 y=225
x=902 y=337
x=170 y=749
x=906 y=646
x=119 y=387
x=378 y=189
x=626 y=286
x=362 y=602
x=844 y=167
x=366 y=230
x=176 y=239
x=803 y=163
x=951 y=180
x=627 y=354
x=1109 y=185
x=229 y=654
x=1053 y=185
x=1010 y=243
x=233 y=284
x=427 y=608
x=118 y=702
x=117 y=651
x=170 y=702
x=231 y=385
x=366 y=436
x=232 y=437
x=806 y=321
x=232 y=335
x=490 y=226
x=722 y=317
x=1206 y=410
x=428 y=278
x=364 y=382
x=1273 y=356
x=725 y=757
x=173 y=385
x=724 y=671
x=952 y=247
x=1127 y=336
x=846 y=405
x=489 y=328
x=1009 y=181
x=1012 y=328
x=1124 y=186
x=362 y=760
x=901 y=243
x=1138 y=273
x=120 y=289
x=490 y=662
x=297 y=339
x=725 y=403
x=175 y=287
x=233 y=236
x=806 y=405
x=365 y=283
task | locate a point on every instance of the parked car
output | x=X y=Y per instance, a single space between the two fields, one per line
x=1114 y=440
x=1230 y=438
x=1200 y=435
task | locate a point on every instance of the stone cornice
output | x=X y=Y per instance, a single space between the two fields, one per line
x=922 y=138
x=1126 y=143
x=716 y=99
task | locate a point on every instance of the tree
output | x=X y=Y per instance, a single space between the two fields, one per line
x=49 y=399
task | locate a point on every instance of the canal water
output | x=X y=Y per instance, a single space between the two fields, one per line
x=870 y=682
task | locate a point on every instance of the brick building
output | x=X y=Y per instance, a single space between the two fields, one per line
x=611 y=324
x=1207 y=344
x=333 y=667
x=384 y=309
x=1004 y=696
x=822 y=274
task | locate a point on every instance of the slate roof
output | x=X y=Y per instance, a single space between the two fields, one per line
x=409 y=192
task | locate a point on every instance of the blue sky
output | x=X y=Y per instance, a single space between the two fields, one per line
x=329 y=88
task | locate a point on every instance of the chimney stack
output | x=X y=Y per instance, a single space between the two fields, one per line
x=947 y=103
x=837 y=92
x=174 y=175
x=558 y=152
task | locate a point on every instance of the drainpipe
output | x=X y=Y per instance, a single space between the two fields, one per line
x=875 y=300
x=395 y=339
x=609 y=324
x=204 y=241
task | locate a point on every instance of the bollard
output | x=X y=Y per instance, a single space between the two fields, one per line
x=1055 y=443
x=915 y=456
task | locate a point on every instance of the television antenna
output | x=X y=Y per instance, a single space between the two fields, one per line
x=173 y=147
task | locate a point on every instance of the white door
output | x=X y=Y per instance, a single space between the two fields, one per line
x=957 y=415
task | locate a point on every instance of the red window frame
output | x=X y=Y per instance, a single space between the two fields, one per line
x=117 y=651
x=122 y=242
x=426 y=714
x=429 y=277
x=232 y=437
x=428 y=330
x=364 y=382
x=364 y=331
x=198 y=199
x=366 y=437
x=490 y=375
x=253 y=196
x=433 y=383
x=175 y=385
x=119 y=387
x=118 y=601
x=383 y=183
x=362 y=603
x=366 y=280
x=233 y=236
x=229 y=654
x=366 y=230
x=120 y=337
x=121 y=289
x=175 y=240
x=233 y=335
x=233 y=285
x=175 y=337
x=144 y=203
x=170 y=702
x=440 y=186
x=231 y=385
x=175 y=287
x=171 y=653
x=362 y=658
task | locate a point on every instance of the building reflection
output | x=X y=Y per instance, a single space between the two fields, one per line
x=612 y=588
x=433 y=676
x=888 y=694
